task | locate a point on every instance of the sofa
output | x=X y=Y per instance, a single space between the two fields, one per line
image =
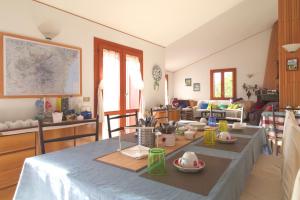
x=237 y=111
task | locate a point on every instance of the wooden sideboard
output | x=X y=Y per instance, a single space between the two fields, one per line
x=173 y=114
x=15 y=148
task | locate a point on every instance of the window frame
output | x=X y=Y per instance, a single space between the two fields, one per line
x=222 y=71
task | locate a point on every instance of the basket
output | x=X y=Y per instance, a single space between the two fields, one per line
x=146 y=137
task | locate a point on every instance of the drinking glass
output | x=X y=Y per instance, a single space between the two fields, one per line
x=210 y=136
x=156 y=161
x=223 y=126
x=212 y=121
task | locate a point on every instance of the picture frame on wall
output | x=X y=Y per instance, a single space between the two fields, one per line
x=292 y=64
x=49 y=69
x=188 y=82
x=196 y=87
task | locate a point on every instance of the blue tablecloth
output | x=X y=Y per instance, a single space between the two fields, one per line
x=74 y=174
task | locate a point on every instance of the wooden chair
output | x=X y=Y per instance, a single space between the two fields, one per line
x=277 y=138
x=157 y=114
x=44 y=141
x=111 y=117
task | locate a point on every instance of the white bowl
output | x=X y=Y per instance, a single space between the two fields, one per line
x=203 y=120
x=3 y=126
x=34 y=123
x=9 y=124
x=198 y=125
x=189 y=134
x=238 y=125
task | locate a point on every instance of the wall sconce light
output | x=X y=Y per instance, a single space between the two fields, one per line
x=291 y=48
x=49 y=29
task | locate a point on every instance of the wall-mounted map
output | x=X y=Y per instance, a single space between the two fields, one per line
x=35 y=68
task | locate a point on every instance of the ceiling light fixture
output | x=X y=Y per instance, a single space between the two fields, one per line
x=49 y=29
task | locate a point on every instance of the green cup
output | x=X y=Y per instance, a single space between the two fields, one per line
x=223 y=126
x=156 y=162
x=210 y=136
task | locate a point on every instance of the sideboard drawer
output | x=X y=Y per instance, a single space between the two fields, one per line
x=14 y=160
x=7 y=193
x=13 y=143
x=9 y=178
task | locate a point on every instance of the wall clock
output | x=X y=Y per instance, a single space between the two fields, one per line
x=156 y=74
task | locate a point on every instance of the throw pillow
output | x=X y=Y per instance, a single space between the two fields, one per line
x=182 y=103
x=268 y=108
x=192 y=103
x=236 y=106
x=223 y=106
x=203 y=106
x=230 y=106
x=212 y=106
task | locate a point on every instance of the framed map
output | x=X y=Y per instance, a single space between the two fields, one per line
x=35 y=68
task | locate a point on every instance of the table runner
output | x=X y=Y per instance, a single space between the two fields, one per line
x=74 y=174
x=201 y=182
x=238 y=146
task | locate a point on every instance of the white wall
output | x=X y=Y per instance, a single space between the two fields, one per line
x=23 y=18
x=248 y=56
x=241 y=21
x=170 y=84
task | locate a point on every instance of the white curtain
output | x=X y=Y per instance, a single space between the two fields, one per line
x=109 y=87
x=100 y=110
x=134 y=69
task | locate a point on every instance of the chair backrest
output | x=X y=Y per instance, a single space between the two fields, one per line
x=296 y=190
x=112 y=117
x=291 y=157
x=274 y=122
x=43 y=125
x=160 y=117
x=288 y=120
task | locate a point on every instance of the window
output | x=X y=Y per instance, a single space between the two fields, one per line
x=222 y=83
x=120 y=68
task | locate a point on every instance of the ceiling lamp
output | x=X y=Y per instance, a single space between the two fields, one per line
x=291 y=48
x=49 y=29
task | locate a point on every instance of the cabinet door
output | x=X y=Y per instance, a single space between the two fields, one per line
x=7 y=193
x=14 y=149
x=12 y=143
x=174 y=115
x=161 y=116
x=11 y=166
x=85 y=129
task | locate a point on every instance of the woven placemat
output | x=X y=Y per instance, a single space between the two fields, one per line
x=201 y=182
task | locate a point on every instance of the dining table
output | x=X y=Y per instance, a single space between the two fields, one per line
x=75 y=173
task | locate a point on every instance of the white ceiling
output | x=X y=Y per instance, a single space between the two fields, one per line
x=242 y=21
x=158 y=21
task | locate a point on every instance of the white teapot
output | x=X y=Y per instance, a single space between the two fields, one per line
x=203 y=120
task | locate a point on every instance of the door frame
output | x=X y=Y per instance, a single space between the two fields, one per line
x=99 y=45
